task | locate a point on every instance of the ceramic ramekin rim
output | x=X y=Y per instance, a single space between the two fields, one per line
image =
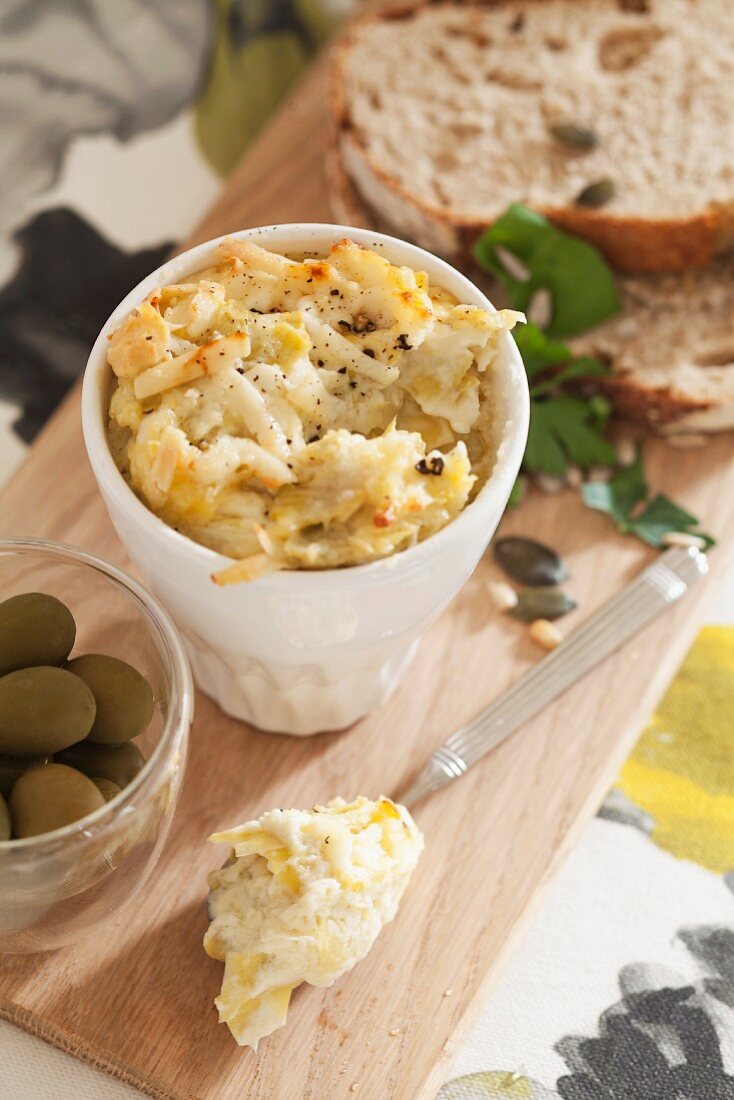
x=288 y=237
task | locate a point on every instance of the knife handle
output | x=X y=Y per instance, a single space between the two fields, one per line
x=657 y=587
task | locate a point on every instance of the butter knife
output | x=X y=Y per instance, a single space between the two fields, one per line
x=657 y=587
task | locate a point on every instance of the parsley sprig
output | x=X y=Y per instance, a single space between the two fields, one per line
x=626 y=498
x=564 y=427
x=580 y=282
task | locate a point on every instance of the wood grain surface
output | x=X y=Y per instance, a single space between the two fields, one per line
x=136 y=999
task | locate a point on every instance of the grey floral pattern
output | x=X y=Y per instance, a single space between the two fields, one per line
x=68 y=281
x=71 y=67
x=666 y=1038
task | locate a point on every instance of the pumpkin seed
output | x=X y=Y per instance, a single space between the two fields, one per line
x=597 y=194
x=574 y=135
x=529 y=562
x=542 y=603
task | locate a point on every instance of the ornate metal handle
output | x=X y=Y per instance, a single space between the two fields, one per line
x=615 y=622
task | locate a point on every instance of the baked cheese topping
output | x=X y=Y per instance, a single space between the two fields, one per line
x=304 y=414
x=303 y=900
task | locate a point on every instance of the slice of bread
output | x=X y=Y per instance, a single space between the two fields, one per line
x=448 y=112
x=671 y=348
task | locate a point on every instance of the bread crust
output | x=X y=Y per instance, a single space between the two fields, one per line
x=630 y=244
x=657 y=407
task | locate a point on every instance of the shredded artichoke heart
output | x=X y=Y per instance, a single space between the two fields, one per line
x=303 y=899
x=304 y=414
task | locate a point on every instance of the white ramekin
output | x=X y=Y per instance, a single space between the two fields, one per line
x=302 y=652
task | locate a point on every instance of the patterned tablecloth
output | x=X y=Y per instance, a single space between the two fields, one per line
x=120 y=118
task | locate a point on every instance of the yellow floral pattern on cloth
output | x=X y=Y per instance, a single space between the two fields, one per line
x=677 y=785
x=494 y=1085
x=681 y=772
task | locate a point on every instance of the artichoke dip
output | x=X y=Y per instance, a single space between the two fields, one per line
x=302 y=900
x=304 y=414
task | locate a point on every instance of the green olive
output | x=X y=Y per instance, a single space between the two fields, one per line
x=124 y=698
x=50 y=797
x=118 y=763
x=107 y=788
x=5 y=826
x=35 y=629
x=43 y=710
x=12 y=767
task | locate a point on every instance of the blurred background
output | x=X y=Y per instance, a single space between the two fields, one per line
x=119 y=119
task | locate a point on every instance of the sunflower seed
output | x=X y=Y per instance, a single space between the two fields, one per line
x=503 y=596
x=540 y=309
x=512 y=264
x=682 y=538
x=687 y=441
x=627 y=328
x=528 y=561
x=542 y=603
x=545 y=634
x=547 y=483
x=575 y=136
x=626 y=450
x=597 y=194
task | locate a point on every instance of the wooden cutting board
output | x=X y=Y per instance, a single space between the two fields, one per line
x=135 y=999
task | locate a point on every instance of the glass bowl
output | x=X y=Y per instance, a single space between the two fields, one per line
x=57 y=886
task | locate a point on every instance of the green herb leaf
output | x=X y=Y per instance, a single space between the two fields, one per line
x=580 y=282
x=561 y=429
x=543 y=452
x=578 y=368
x=661 y=516
x=517 y=492
x=537 y=351
x=600 y=409
x=581 y=438
x=620 y=496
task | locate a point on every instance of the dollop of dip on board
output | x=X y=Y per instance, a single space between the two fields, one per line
x=303 y=899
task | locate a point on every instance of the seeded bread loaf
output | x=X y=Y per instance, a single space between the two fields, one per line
x=671 y=347
x=448 y=112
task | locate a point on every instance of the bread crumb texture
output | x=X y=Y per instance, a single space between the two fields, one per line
x=503 y=78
